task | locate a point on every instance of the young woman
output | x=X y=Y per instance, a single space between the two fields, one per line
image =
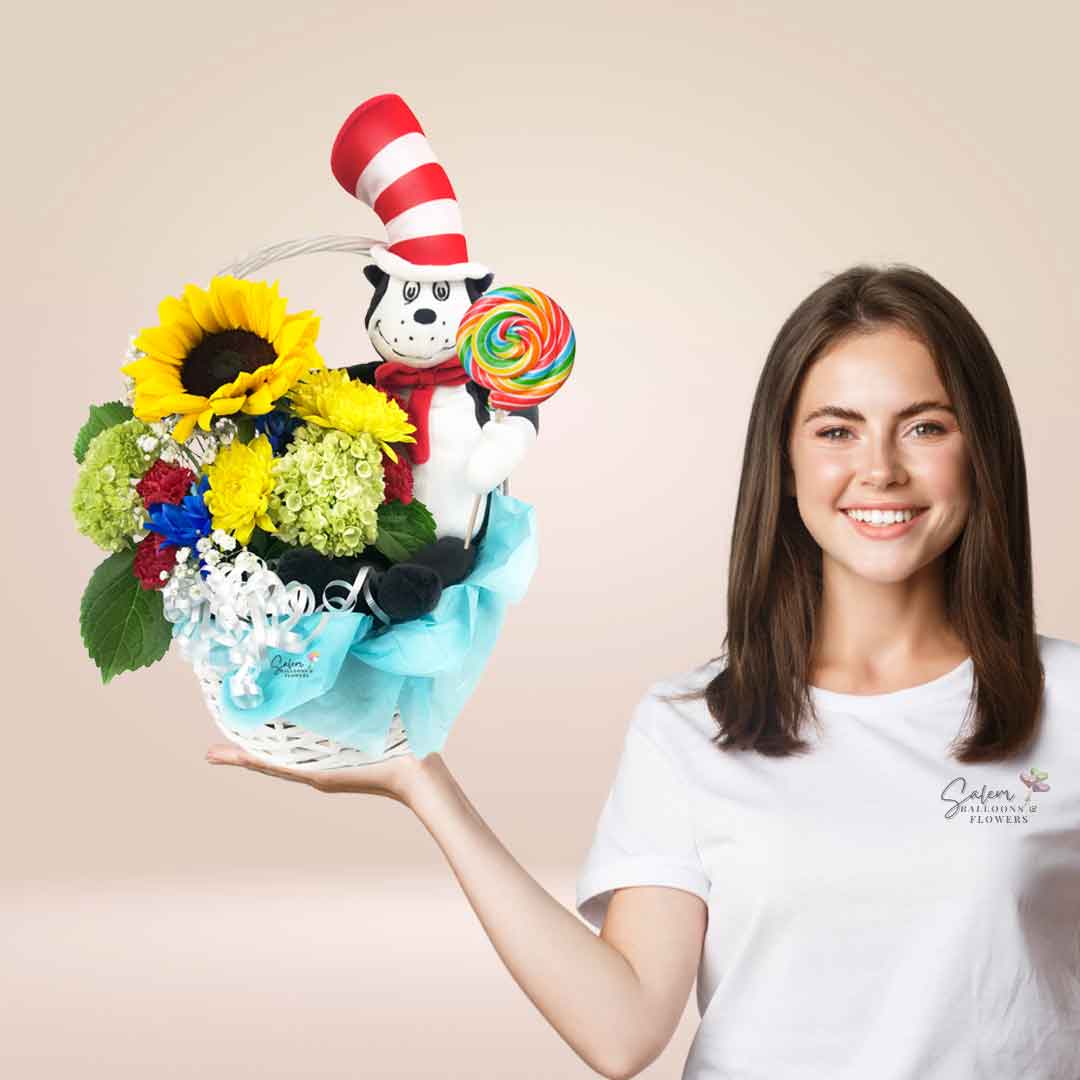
x=859 y=826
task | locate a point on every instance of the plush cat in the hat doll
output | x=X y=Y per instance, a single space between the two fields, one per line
x=424 y=283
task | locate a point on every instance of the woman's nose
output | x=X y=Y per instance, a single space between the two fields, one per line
x=424 y=315
x=882 y=459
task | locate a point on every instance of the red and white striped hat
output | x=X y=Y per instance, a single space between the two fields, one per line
x=381 y=155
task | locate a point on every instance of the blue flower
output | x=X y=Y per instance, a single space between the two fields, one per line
x=183 y=524
x=278 y=427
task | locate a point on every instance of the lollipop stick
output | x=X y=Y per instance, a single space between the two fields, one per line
x=500 y=415
x=472 y=520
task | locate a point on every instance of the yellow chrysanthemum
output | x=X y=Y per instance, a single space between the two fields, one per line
x=331 y=399
x=231 y=349
x=240 y=486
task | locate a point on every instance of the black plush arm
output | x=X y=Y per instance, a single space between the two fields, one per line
x=532 y=414
x=364 y=372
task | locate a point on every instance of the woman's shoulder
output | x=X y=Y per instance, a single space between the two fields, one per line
x=688 y=680
x=673 y=711
x=1058 y=650
x=1061 y=667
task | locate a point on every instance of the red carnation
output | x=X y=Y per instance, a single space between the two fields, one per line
x=151 y=559
x=397 y=478
x=164 y=483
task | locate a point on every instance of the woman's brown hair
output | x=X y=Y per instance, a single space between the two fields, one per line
x=760 y=697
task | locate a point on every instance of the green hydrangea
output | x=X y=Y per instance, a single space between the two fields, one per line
x=328 y=487
x=106 y=506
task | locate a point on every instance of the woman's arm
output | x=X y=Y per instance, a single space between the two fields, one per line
x=616 y=998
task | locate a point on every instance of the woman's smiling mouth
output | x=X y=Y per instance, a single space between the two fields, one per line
x=884 y=526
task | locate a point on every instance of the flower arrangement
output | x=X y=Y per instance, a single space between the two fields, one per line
x=234 y=443
x=236 y=469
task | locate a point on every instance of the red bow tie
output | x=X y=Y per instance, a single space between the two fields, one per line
x=393 y=375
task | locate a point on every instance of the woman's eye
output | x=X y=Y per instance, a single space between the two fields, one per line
x=441 y=289
x=411 y=291
x=937 y=429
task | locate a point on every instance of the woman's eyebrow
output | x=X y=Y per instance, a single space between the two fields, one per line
x=841 y=412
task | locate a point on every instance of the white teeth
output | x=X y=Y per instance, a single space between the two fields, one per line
x=881 y=517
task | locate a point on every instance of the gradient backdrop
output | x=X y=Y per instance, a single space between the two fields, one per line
x=678 y=177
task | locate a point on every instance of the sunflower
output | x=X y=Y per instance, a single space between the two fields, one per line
x=226 y=350
x=331 y=399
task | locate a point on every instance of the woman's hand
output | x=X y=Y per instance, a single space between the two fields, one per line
x=392 y=778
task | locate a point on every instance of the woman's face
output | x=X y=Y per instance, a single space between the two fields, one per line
x=872 y=426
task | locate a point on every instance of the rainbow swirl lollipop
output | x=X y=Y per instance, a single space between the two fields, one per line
x=518 y=343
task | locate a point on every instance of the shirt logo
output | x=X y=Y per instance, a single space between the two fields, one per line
x=1035 y=781
x=985 y=805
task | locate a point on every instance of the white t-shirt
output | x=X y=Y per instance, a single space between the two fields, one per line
x=876 y=909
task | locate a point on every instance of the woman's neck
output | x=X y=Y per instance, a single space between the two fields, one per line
x=877 y=636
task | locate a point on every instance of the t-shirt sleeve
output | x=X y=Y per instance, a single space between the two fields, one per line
x=645 y=834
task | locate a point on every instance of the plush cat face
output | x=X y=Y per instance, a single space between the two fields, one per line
x=415 y=322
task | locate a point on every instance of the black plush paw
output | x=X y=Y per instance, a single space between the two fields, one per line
x=407 y=591
x=448 y=557
x=311 y=568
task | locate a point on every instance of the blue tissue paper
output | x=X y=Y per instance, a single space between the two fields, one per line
x=347 y=684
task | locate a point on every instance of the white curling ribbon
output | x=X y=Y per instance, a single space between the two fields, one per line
x=348 y=602
x=244 y=686
x=247 y=609
x=272 y=610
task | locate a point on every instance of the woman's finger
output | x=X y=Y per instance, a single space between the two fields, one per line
x=388 y=778
x=226 y=754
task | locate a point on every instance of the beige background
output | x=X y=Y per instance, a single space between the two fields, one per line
x=678 y=177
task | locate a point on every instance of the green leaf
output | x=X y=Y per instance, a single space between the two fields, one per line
x=404 y=528
x=123 y=625
x=275 y=548
x=101 y=417
x=266 y=545
x=257 y=542
x=245 y=427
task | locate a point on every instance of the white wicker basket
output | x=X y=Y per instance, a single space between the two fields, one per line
x=279 y=742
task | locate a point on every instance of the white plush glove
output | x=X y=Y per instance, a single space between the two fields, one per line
x=502 y=447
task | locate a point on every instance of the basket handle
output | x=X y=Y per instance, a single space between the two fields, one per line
x=287 y=249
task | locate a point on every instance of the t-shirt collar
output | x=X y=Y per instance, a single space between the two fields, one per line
x=953 y=685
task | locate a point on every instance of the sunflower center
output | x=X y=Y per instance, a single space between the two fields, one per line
x=219 y=358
